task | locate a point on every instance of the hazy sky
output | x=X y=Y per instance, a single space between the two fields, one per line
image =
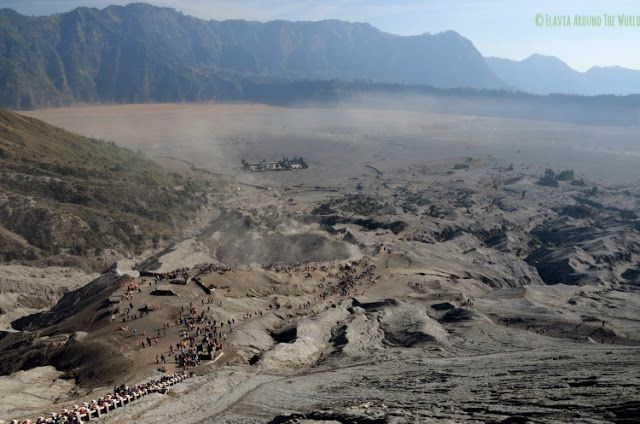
x=504 y=28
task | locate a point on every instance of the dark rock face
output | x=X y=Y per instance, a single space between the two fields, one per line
x=367 y=223
x=286 y=334
x=83 y=308
x=375 y=306
x=631 y=274
x=555 y=268
x=457 y=315
x=444 y=306
x=577 y=211
x=407 y=338
x=83 y=361
x=576 y=251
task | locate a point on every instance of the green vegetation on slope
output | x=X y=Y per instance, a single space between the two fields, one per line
x=65 y=195
x=142 y=53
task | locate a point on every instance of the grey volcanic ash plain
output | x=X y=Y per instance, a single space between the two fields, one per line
x=425 y=268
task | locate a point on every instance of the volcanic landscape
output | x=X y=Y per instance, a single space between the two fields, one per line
x=424 y=268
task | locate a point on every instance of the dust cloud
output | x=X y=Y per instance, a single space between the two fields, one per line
x=340 y=140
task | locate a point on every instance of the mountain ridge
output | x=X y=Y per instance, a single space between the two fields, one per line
x=543 y=74
x=140 y=53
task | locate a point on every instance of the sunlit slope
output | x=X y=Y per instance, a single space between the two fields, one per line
x=64 y=194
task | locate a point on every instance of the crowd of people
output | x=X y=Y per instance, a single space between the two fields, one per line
x=187 y=272
x=130 y=288
x=341 y=279
x=172 y=275
x=202 y=335
x=204 y=269
x=347 y=276
x=121 y=394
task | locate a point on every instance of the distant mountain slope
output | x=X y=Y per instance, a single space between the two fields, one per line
x=144 y=53
x=589 y=110
x=538 y=74
x=63 y=195
x=613 y=79
x=547 y=74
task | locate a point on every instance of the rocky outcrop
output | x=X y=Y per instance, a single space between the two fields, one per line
x=79 y=310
